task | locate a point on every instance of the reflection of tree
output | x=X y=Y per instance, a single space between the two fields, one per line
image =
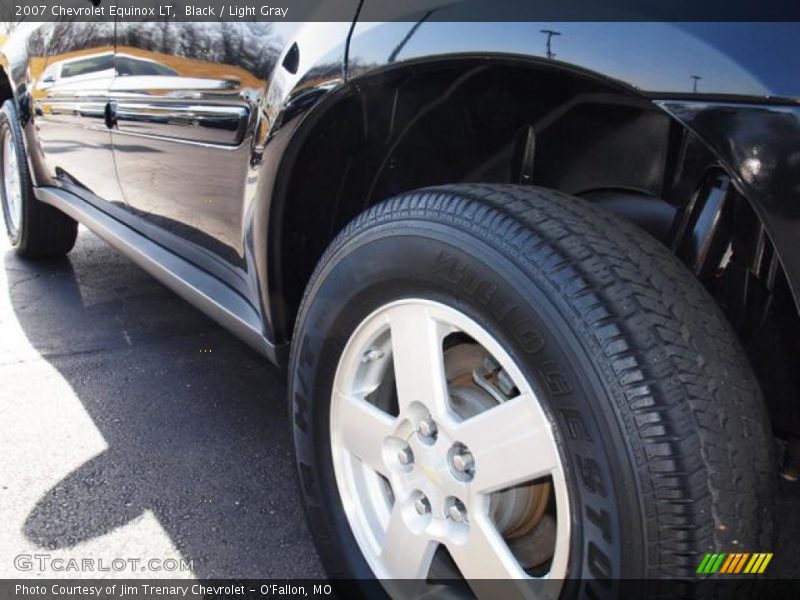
x=324 y=72
x=68 y=36
x=357 y=66
x=250 y=46
x=7 y=27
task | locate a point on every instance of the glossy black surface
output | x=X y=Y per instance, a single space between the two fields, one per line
x=182 y=139
x=739 y=59
x=76 y=61
x=244 y=147
x=759 y=145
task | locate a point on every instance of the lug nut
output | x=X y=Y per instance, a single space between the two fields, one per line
x=427 y=429
x=422 y=505
x=463 y=462
x=457 y=511
x=405 y=456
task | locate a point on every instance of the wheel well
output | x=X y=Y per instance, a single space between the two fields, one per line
x=464 y=121
x=506 y=122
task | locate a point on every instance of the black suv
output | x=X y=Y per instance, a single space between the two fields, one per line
x=535 y=285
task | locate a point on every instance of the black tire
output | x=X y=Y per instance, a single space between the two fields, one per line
x=43 y=230
x=661 y=421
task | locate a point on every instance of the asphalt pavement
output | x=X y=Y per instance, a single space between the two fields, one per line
x=133 y=427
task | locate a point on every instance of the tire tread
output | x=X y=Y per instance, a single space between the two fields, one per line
x=693 y=410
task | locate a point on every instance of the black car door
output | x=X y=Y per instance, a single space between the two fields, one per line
x=73 y=71
x=185 y=100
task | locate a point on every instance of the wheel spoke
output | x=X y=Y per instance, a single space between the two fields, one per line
x=419 y=359
x=490 y=568
x=406 y=555
x=511 y=443
x=362 y=429
x=485 y=555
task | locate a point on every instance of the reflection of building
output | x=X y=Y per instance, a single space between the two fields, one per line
x=99 y=65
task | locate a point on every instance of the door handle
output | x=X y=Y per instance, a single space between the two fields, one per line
x=111 y=114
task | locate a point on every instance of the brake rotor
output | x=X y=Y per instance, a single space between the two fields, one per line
x=476 y=384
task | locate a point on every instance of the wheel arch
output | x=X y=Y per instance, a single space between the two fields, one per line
x=504 y=120
x=368 y=142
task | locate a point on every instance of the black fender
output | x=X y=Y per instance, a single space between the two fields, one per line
x=734 y=85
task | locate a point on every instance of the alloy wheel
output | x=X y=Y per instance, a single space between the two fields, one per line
x=438 y=441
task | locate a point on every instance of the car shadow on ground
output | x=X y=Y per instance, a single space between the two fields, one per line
x=195 y=422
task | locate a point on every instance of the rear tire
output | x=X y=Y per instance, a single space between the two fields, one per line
x=657 y=416
x=34 y=229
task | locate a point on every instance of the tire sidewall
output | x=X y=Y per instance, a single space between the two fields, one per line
x=434 y=261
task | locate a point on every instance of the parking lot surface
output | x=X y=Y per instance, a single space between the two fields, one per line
x=131 y=426
x=134 y=427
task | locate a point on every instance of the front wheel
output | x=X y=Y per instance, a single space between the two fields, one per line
x=494 y=382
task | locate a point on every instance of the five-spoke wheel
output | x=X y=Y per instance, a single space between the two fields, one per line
x=439 y=440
